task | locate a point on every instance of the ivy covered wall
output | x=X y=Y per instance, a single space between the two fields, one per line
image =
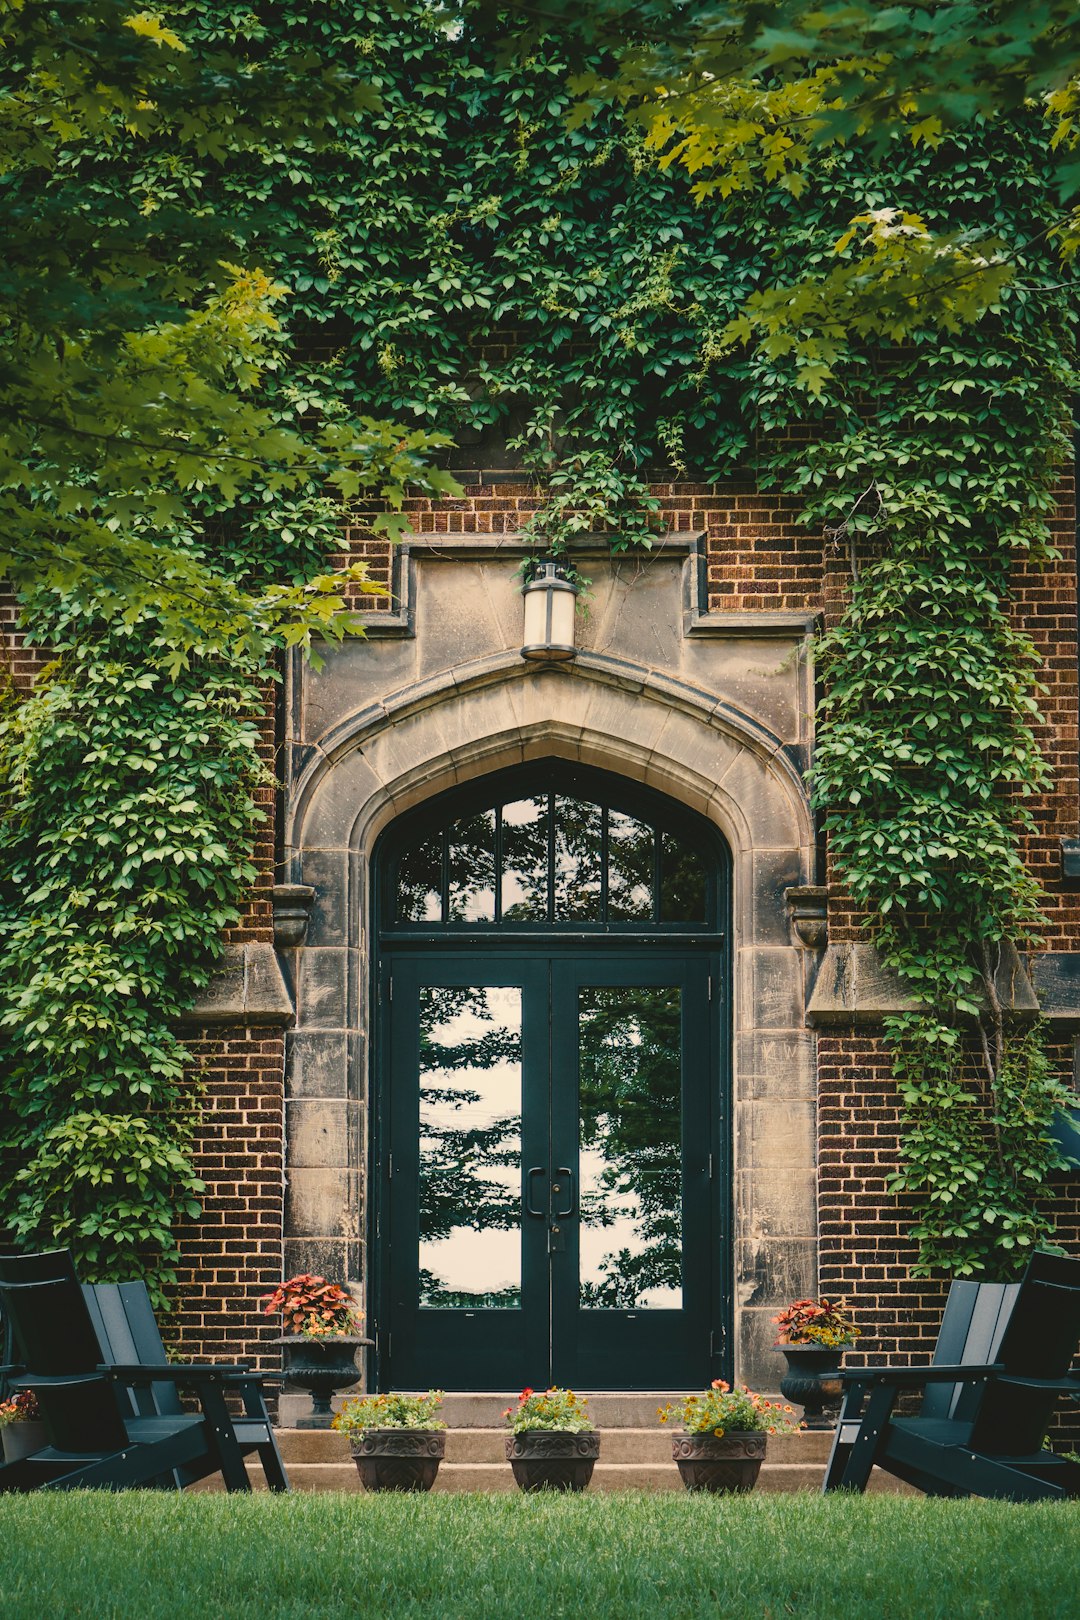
x=549 y=296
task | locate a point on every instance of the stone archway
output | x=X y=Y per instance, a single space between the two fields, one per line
x=684 y=741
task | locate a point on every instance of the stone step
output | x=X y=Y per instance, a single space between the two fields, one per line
x=488 y=1477
x=481 y=1446
x=609 y=1409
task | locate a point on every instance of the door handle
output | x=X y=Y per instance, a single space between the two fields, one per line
x=530 y=1209
x=562 y=1187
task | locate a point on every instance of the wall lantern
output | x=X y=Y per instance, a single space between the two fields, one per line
x=550 y=606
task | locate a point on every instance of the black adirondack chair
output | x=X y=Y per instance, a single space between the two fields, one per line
x=1001 y=1364
x=113 y=1424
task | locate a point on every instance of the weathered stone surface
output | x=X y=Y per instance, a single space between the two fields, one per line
x=322 y=988
x=247 y=987
x=323 y=1203
x=854 y=986
x=770 y=1271
x=323 y=1133
x=316 y=1063
x=769 y=986
x=1056 y=979
x=775 y=1132
x=327 y=871
x=775 y=1203
x=776 y=1063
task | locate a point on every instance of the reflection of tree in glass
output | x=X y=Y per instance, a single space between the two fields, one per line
x=419 y=883
x=525 y=860
x=456 y=1188
x=630 y=1115
x=471 y=869
x=435 y=1294
x=630 y=867
x=578 y=846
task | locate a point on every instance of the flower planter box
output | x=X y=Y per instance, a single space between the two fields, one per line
x=812 y=1382
x=398 y=1459
x=321 y=1366
x=553 y=1459
x=723 y=1464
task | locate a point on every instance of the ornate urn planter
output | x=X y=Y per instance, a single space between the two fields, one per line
x=321 y=1366
x=398 y=1459
x=553 y=1459
x=721 y=1464
x=811 y=1382
x=22 y=1440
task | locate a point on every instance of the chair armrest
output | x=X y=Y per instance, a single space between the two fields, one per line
x=189 y=1372
x=1069 y=1385
x=915 y=1377
x=9 y=1372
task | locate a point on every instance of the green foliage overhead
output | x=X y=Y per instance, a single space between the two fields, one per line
x=136 y=332
x=465 y=257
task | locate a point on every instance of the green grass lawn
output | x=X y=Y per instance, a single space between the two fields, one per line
x=149 y=1556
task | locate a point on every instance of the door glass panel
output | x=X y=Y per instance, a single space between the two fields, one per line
x=471 y=861
x=682 y=882
x=419 y=886
x=578 y=880
x=631 y=1159
x=525 y=860
x=630 y=867
x=470 y=1148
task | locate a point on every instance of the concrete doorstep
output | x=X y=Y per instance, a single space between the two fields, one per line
x=631 y=1458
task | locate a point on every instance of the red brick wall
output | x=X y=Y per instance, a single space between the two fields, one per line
x=232 y=1254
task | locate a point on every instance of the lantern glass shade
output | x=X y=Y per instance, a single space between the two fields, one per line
x=550 y=607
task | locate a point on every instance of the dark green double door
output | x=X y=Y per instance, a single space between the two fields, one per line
x=553 y=1195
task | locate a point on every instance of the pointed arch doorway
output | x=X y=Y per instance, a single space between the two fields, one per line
x=551 y=1151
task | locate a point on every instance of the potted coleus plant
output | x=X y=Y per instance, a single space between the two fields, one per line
x=321 y=1339
x=397 y=1441
x=814 y=1333
x=724 y=1434
x=552 y=1444
x=22 y=1430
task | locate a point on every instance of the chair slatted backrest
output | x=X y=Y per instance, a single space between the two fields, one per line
x=127 y=1332
x=55 y=1341
x=1039 y=1342
x=972 y=1327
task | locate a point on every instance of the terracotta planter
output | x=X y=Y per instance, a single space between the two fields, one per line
x=552 y=1459
x=811 y=1382
x=22 y=1439
x=721 y=1464
x=322 y=1366
x=398 y=1459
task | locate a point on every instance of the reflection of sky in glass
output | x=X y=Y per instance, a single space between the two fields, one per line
x=524 y=859
x=630 y=1169
x=600 y=1243
x=630 y=867
x=466 y=1133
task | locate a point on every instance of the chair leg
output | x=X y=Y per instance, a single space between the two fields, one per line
x=273 y=1467
x=847 y=1428
x=867 y=1442
x=219 y=1424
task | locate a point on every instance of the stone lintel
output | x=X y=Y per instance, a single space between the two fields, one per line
x=1056 y=976
x=853 y=986
x=247 y=987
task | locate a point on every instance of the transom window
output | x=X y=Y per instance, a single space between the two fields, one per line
x=551 y=855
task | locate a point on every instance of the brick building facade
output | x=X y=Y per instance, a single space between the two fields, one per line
x=694 y=671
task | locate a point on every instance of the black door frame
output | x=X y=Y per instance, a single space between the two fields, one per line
x=545 y=943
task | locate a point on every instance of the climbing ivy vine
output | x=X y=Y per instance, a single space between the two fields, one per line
x=465 y=260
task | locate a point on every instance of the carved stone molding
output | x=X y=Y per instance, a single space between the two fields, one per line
x=808 y=907
x=854 y=986
x=292 y=912
x=247 y=987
